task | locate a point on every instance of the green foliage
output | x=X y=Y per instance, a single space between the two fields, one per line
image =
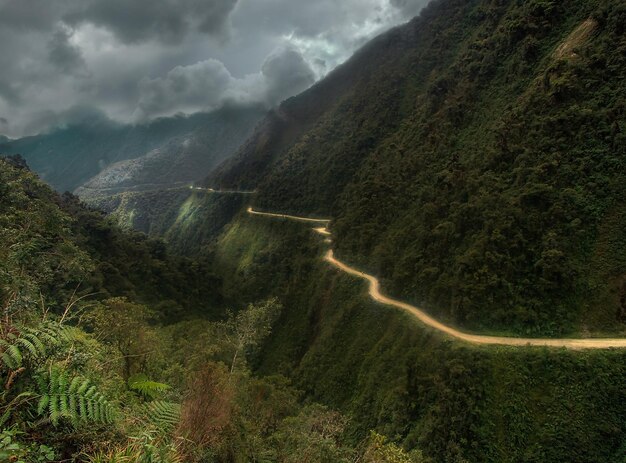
x=37 y=251
x=381 y=368
x=163 y=415
x=62 y=386
x=379 y=450
x=76 y=391
x=148 y=389
x=30 y=344
x=73 y=398
x=149 y=447
x=246 y=330
x=315 y=434
x=55 y=251
x=131 y=265
x=473 y=159
x=14 y=450
x=188 y=220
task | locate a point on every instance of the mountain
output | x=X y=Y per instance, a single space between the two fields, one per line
x=118 y=337
x=475 y=159
x=103 y=157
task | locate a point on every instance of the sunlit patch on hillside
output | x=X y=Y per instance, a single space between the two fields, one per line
x=187 y=211
x=567 y=49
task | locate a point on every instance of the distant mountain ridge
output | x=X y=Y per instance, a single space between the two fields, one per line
x=111 y=155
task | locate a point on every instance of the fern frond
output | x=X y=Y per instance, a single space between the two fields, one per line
x=47 y=336
x=16 y=355
x=35 y=341
x=29 y=346
x=82 y=406
x=53 y=409
x=44 y=400
x=8 y=361
x=164 y=415
x=74 y=385
x=90 y=392
x=83 y=387
x=145 y=387
x=73 y=399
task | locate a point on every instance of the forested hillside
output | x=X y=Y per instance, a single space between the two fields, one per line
x=188 y=219
x=113 y=350
x=475 y=159
x=65 y=250
x=455 y=402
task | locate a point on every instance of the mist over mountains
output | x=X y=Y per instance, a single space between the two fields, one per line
x=164 y=152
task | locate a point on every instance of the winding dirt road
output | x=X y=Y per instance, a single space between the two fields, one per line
x=231 y=192
x=290 y=217
x=375 y=294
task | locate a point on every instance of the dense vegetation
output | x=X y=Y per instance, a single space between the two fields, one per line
x=108 y=352
x=474 y=159
x=493 y=134
x=89 y=254
x=189 y=220
x=456 y=403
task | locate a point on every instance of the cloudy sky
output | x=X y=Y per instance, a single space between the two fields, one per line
x=132 y=60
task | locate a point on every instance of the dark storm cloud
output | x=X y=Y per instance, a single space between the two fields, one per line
x=131 y=21
x=138 y=59
x=65 y=56
x=8 y=93
x=214 y=15
x=209 y=85
x=184 y=89
x=28 y=15
x=286 y=73
x=167 y=21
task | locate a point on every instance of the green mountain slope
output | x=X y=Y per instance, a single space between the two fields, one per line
x=112 y=349
x=189 y=220
x=474 y=159
x=456 y=402
x=53 y=249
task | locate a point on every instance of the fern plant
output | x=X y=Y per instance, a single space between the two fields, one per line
x=30 y=344
x=73 y=398
x=163 y=415
x=145 y=387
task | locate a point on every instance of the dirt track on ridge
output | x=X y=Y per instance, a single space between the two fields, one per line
x=375 y=294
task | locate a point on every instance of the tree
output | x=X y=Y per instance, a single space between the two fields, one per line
x=379 y=450
x=246 y=330
x=124 y=325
